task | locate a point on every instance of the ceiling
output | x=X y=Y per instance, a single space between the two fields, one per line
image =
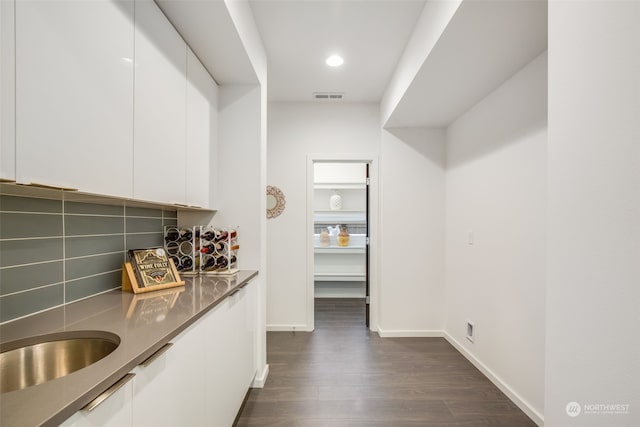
x=209 y=30
x=298 y=35
x=484 y=44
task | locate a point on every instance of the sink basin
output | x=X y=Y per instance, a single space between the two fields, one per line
x=35 y=360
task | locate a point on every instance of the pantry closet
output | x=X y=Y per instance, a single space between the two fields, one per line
x=341 y=230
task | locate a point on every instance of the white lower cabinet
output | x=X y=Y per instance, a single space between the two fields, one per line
x=199 y=379
x=113 y=412
x=230 y=356
x=170 y=390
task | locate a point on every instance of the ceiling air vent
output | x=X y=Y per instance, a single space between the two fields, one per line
x=328 y=96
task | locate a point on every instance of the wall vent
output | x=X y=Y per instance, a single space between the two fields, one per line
x=328 y=96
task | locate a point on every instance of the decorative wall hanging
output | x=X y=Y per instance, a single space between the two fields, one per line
x=275 y=201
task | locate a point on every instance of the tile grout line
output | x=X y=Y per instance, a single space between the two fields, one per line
x=93 y=255
x=64 y=256
x=93 y=275
x=7 y=267
x=31 y=289
x=124 y=228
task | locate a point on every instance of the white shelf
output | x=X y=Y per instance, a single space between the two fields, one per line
x=344 y=217
x=339 y=211
x=339 y=186
x=339 y=277
x=339 y=250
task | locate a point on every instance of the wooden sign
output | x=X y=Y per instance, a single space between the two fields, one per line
x=149 y=270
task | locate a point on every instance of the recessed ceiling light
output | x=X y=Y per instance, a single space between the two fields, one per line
x=334 y=61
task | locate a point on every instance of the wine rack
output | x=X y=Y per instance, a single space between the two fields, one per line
x=182 y=246
x=218 y=250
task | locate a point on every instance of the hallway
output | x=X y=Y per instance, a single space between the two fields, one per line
x=344 y=375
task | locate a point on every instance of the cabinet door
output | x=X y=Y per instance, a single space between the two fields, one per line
x=74 y=94
x=7 y=90
x=230 y=358
x=113 y=412
x=170 y=391
x=202 y=109
x=160 y=108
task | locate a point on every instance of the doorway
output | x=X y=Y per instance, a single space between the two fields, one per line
x=340 y=223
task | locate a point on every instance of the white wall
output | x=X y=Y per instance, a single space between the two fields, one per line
x=496 y=190
x=240 y=196
x=297 y=130
x=256 y=178
x=412 y=232
x=431 y=24
x=593 y=297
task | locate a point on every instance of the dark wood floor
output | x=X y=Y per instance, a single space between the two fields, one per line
x=344 y=375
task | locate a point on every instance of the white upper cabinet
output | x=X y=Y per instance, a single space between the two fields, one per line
x=7 y=91
x=202 y=95
x=74 y=94
x=160 y=157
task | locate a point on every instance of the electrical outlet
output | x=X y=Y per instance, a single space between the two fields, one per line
x=470 y=331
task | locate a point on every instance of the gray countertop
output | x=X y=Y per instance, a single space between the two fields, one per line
x=144 y=323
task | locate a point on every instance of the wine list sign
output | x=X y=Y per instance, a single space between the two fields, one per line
x=149 y=270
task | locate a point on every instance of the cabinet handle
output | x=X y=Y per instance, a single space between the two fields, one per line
x=108 y=392
x=243 y=285
x=233 y=292
x=157 y=354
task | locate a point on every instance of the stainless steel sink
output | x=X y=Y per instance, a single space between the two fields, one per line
x=35 y=360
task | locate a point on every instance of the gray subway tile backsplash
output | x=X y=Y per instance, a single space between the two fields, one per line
x=29 y=204
x=169 y=214
x=16 y=279
x=24 y=303
x=77 y=246
x=16 y=252
x=92 y=209
x=81 y=225
x=145 y=212
x=146 y=240
x=26 y=225
x=169 y=222
x=144 y=225
x=76 y=268
x=54 y=252
x=82 y=288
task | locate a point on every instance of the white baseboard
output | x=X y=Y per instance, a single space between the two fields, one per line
x=536 y=416
x=261 y=378
x=287 y=328
x=410 y=333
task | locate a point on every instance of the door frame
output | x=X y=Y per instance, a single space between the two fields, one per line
x=373 y=231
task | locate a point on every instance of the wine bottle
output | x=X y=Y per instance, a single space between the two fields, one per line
x=209 y=263
x=176 y=261
x=186 y=234
x=224 y=261
x=222 y=235
x=208 y=249
x=171 y=235
x=222 y=247
x=172 y=248
x=208 y=235
x=186 y=262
